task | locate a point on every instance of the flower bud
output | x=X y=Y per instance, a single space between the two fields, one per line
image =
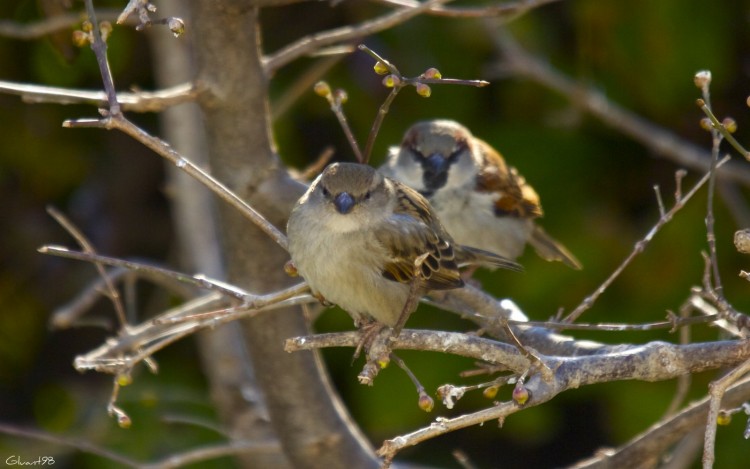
x=706 y=124
x=724 y=418
x=742 y=241
x=729 y=124
x=321 y=88
x=81 y=38
x=432 y=73
x=490 y=392
x=105 y=29
x=702 y=79
x=124 y=379
x=124 y=421
x=87 y=26
x=290 y=269
x=380 y=68
x=176 y=25
x=521 y=395
x=389 y=81
x=425 y=402
x=423 y=90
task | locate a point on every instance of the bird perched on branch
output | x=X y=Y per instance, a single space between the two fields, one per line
x=374 y=246
x=481 y=200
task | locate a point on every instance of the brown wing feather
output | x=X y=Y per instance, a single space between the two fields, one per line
x=516 y=197
x=413 y=220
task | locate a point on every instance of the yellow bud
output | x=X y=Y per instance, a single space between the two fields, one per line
x=290 y=269
x=81 y=38
x=105 y=29
x=389 y=81
x=321 y=88
x=433 y=73
x=724 y=418
x=383 y=362
x=124 y=421
x=706 y=124
x=425 y=402
x=490 y=392
x=124 y=379
x=748 y=101
x=87 y=26
x=380 y=68
x=423 y=90
x=729 y=124
x=521 y=395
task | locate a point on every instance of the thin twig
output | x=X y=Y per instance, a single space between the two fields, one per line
x=48 y=25
x=309 y=44
x=716 y=393
x=722 y=129
x=505 y=11
x=137 y=101
x=100 y=51
x=163 y=149
x=198 y=281
x=639 y=247
x=716 y=138
x=112 y=293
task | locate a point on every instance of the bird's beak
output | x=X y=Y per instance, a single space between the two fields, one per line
x=435 y=171
x=343 y=202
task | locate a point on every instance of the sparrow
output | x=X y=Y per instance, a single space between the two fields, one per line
x=367 y=243
x=482 y=201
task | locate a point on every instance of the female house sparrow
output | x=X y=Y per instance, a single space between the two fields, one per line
x=482 y=201
x=360 y=239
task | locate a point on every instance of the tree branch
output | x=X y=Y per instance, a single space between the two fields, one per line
x=139 y=101
x=309 y=44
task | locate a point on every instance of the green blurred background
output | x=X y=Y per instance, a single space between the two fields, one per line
x=596 y=187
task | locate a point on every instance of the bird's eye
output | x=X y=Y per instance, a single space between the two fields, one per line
x=367 y=195
x=326 y=193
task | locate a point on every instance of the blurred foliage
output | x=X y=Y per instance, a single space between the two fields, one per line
x=596 y=187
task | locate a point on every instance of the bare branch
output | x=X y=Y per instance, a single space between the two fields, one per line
x=653 y=442
x=505 y=11
x=163 y=149
x=120 y=354
x=111 y=292
x=68 y=314
x=640 y=246
x=137 y=101
x=100 y=51
x=650 y=362
x=309 y=44
x=48 y=25
x=717 y=389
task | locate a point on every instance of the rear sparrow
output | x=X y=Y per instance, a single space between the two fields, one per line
x=481 y=200
x=362 y=240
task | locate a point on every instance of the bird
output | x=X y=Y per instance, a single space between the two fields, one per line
x=368 y=244
x=481 y=200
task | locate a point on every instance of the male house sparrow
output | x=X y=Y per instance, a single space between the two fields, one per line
x=481 y=200
x=360 y=239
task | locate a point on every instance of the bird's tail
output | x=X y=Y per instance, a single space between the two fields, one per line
x=551 y=250
x=469 y=256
